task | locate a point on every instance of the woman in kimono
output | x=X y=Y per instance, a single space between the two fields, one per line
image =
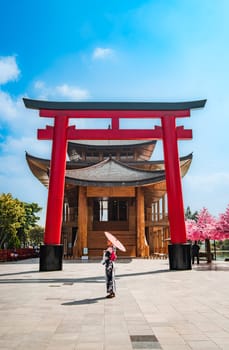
x=109 y=256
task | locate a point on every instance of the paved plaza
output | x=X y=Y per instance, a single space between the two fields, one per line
x=155 y=308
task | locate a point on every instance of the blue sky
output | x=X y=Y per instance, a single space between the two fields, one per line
x=174 y=50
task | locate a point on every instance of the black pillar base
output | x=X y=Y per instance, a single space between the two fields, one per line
x=180 y=257
x=51 y=257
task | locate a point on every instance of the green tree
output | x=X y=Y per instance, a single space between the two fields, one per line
x=225 y=244
x=31 y=209
x=36 y=235
x=190 y=215
x=12 y=216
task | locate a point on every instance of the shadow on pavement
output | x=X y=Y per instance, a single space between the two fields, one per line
x=95 y=279
x=210 y=267
x=18 y=273
x=83 y=301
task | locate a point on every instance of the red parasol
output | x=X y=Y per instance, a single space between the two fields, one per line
x=115 y=241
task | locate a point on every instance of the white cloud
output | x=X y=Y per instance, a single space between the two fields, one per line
x=64 y=91
x=9 y=70
x=8 y=107
x=102 y=53
x=19 y=120
x=39 y=85
x=72 y=92
x=18 y=146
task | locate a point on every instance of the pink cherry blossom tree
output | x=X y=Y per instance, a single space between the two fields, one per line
x=207 y=227
x=223 y=225
x=192 y=231
x=206 y=224
x=204 y=229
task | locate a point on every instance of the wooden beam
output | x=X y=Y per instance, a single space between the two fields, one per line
x=82 y=221
x=110 y=192
x=140 y=222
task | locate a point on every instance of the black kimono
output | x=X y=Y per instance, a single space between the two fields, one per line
x=109 y=258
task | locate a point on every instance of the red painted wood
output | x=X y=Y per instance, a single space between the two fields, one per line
x=183 y=134
x=173 y=181
x=112 y=114
x=113 y=134
x=45 y=134
x=56 y=182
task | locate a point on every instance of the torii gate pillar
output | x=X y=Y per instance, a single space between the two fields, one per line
x=52 y=251
x=179 y=250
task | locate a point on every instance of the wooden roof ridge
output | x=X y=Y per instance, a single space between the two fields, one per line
x=30 y=156
x=39 y=169
x=86 y=164
x=161 y=161
x=44 y=161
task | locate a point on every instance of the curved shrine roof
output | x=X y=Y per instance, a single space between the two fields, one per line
x=135 y=173
x=110 y=172
x=139 y=150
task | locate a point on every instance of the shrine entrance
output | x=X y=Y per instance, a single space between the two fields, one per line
x=61 y=132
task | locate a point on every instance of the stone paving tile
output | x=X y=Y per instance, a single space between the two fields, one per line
x=170 y=339
x=118 y=347
x=203 y=345
x=195 y=337
x=68 y=309
x=90 y=346
x=176 y=347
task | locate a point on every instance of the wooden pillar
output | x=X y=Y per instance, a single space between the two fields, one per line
x=163 y=207
x=132 y=215
x=149 y=215
x=157 y=241
x=82 y=221
x=154 y=212
x=140 y=222
x=158 y=210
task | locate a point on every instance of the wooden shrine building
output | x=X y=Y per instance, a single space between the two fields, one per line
x=112 y=186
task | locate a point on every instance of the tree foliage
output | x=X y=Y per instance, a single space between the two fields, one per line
x=16 y=219
x=30 y=221
x=189 y=215
x=36 y=235
x=207 y=227
x=223 y=222
x=11 y=218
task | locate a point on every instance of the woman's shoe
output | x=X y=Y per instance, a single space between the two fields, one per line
x=111 y=295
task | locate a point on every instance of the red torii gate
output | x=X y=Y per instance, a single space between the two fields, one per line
x=61 y=132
